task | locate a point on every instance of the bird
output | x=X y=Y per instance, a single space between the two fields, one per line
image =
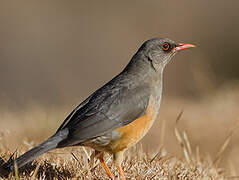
x=117 y=115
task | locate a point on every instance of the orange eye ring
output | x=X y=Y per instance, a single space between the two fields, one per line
x=165 y=46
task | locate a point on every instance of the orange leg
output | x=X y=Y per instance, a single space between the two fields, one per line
x=121 y=172
x=103 y=163
x=118 y=158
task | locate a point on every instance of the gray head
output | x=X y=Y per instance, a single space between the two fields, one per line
x=159 y=51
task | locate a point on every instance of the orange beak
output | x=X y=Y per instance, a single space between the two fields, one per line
x=183 y=46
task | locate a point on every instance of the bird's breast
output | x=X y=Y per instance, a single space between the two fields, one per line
x=133 y=132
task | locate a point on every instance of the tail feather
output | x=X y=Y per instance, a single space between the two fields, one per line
x=30 y=155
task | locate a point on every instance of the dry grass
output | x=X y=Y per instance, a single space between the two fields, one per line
x=73 y=163
x=179 y=157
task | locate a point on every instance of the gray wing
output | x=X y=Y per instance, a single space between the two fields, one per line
x=108 y=108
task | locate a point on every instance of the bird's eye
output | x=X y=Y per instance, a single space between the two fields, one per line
x=165 y=46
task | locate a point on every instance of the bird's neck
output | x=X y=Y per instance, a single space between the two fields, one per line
x=157 y=87
x=147 y=74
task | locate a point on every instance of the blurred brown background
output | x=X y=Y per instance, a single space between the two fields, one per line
x=55 y=53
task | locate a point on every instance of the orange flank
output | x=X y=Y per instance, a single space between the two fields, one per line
x=135 y=131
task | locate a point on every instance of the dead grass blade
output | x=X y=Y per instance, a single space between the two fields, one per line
x=16 y=171
x=176 y=131
x=156 y=155
x=179 y=116
x=225 y=144
x=183 y=140
x=34 y=176
x=188 y=145
x=222 y=149
x=74 y=156
x=198 y=158
x=88 y=156
x=187 y=148
x=162 y=136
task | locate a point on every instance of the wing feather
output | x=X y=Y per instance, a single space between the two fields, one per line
x=110 y=107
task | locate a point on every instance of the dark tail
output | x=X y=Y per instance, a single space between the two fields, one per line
x=30 y=155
